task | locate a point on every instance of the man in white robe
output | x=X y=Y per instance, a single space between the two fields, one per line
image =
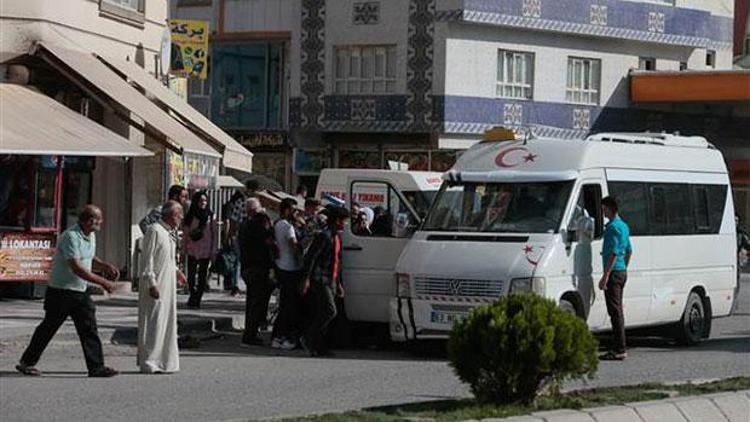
x=157 y=303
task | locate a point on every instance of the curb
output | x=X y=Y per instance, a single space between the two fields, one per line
x=729 y=407
x=186 y=324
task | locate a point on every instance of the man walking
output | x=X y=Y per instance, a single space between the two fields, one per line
x=322 y=272
x=289 y=278
x=256 y=244
x=236 y=216
x=157 y=296
x=616 y=253
x=66 y=295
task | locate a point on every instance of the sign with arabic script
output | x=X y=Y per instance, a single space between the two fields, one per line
x=26 y=256
x=189 y=48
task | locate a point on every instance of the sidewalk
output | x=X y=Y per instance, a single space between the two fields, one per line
x=731 y=407
x=117 y=317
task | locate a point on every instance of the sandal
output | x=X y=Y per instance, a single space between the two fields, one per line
x=28 y=370
x=613 y=356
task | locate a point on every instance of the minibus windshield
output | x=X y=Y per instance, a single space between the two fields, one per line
x=499 y=207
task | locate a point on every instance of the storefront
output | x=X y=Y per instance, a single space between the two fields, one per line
x=46 y=164
x=272 y=155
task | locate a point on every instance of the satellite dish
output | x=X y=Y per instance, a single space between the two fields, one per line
x=165 y=51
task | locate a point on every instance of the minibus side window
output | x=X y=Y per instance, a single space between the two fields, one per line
x=388 y=214
x=700 y=202
x=633 y=202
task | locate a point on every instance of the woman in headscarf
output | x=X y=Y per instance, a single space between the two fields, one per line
x=200 y=234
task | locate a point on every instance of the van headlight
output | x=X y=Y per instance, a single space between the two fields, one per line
x=403 y=285
x=528 y=284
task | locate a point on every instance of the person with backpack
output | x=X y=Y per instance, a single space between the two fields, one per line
x=200 y=234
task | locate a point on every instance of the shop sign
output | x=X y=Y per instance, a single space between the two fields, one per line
x=262 y=140
x=189 y=48
x=26 y=256
x=310 y=162
x=201 y=172
x=175 y=169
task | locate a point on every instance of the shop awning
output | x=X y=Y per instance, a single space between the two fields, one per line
x=228 y=182
x=690 y=86
x=235 y=155
x=32 y=123
x=97 y=74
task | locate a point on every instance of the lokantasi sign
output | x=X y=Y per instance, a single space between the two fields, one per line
x=26 y=256
x=189 y=48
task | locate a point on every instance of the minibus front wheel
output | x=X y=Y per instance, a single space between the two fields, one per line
x=695 y=321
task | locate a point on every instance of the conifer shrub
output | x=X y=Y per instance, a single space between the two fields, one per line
x=510 y=350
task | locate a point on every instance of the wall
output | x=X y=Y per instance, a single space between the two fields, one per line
x=80 y=24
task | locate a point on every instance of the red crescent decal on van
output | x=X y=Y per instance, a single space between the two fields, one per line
x=533 y=256
x=505 y=160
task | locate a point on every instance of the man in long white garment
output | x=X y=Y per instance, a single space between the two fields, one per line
x=157 y=303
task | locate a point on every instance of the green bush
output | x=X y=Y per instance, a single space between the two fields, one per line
x=509 y=350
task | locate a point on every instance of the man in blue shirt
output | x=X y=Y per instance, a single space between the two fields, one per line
x=616 y=253
x=66 y=295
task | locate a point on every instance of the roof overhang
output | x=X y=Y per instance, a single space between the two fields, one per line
x=32 y=123
x=690 y=86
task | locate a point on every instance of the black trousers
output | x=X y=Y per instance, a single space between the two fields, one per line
x=613 y=298
x=197 y=267
x=288 y=322
x=58 y=306
x=259 y=289
x=323 y=298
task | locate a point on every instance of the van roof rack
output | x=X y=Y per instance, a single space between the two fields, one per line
x=650 y=138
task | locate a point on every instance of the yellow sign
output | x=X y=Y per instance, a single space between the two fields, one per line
x=498 y=133
x=189 y=48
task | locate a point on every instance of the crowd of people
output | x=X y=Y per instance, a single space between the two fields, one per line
x=300 y=253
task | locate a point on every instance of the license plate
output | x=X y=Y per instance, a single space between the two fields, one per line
x=446 y=318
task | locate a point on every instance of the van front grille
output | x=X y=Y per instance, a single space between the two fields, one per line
x=457 y=287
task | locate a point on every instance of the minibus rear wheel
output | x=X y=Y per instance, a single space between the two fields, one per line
x=691 y=328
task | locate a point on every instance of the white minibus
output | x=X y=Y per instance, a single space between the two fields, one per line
x=399 y=199
x=525 y=216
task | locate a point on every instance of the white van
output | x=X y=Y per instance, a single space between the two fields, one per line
x=401 y=198
x=526 y=216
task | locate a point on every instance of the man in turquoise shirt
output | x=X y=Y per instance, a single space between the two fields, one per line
x=616 y=253
x=66 y=295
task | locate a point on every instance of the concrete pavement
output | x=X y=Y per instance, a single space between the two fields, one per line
x=722 y=407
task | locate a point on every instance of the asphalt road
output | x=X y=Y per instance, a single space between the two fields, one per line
x=220 y=381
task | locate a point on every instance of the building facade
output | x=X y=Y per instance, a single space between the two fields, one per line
x=99 y=58
x=246 y=92
x=417 y=80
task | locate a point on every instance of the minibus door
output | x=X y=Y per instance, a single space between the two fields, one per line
x=585 y=249
x=370 y=251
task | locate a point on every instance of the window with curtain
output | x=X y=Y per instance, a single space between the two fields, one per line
x=515 y=74
x=365 y=70
x=583 y=83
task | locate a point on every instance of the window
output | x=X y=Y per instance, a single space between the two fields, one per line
x=383 y=212
x=711 y=58
x=583 y=80
x=590 y=200
x=683 y=66
x=365 y=70
x=131 y=10
x=747 y=45
x=515 y=74
x=670 y=208
x=647 y=63
x=633 y=203
x=499 y=207
x=199 y=94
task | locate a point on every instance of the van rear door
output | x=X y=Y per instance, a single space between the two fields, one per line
x=370 y=254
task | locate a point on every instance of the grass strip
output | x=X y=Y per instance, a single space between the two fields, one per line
x=457 y=410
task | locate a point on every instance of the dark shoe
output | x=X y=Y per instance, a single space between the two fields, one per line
x=105 y=372
x=252 y=341
x=613 y=356
x=28 y=370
